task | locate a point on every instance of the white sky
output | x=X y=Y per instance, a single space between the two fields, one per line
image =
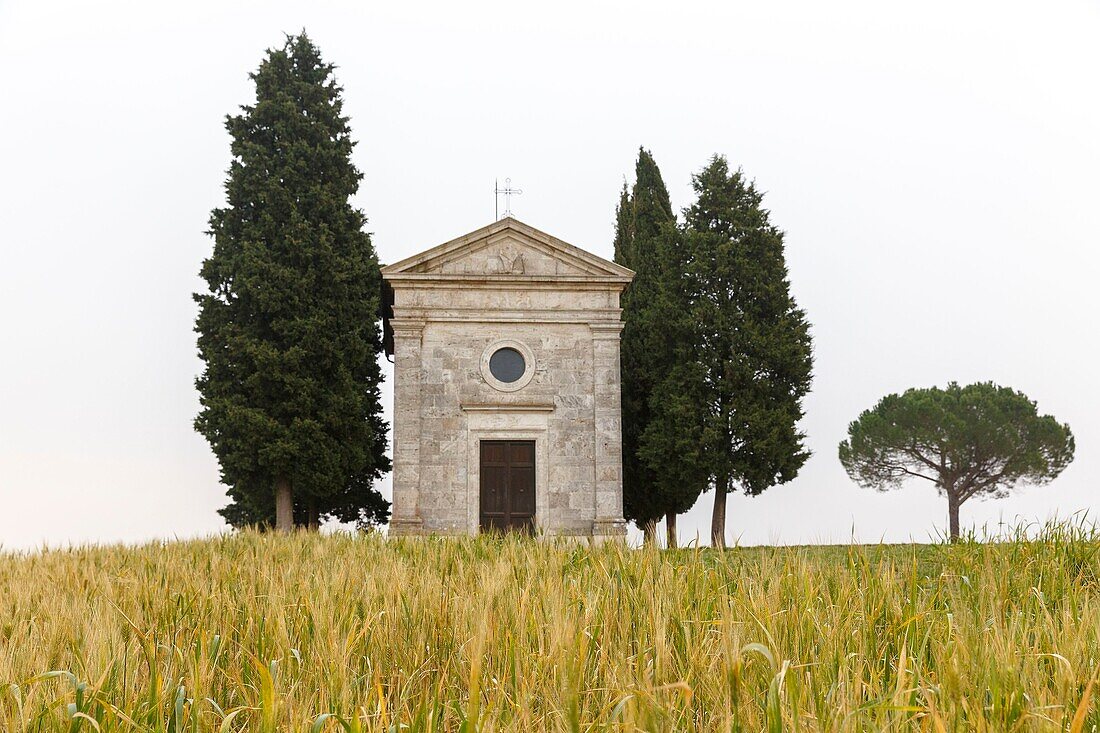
x=936 y=167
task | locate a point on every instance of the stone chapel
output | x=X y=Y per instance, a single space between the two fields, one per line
x=505 y=345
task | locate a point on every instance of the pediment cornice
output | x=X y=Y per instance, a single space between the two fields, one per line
x=507 y=251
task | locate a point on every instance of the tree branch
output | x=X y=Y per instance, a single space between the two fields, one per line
x=916 y=455
x=918 y=474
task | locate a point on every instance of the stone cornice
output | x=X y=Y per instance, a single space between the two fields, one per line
x=508 y=407
x=421 y=314
x=407 y=326
x=466 y=281
x=606 y=329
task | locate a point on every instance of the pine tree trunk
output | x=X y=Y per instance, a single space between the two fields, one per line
x=953 y=514
x=718 y=517
x=670 y=530
x=284 y=505
x=313 y=519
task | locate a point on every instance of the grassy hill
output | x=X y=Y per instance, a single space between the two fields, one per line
x=264 y=633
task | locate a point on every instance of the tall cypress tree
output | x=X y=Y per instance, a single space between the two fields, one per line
x=288 y=328
x=670 y=444
x=753 y=354
x=645 y=232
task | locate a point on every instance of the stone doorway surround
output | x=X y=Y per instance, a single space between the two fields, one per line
x=507 y=422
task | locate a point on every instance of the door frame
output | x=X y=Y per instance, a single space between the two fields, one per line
x=486 y=423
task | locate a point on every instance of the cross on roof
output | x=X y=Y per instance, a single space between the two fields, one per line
x=507 y=191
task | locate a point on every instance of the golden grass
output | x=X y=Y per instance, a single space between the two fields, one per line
x=328 y=633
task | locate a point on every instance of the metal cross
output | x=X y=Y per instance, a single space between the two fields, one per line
x=507 y=191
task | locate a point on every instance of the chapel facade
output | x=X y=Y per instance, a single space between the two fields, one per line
x=505 y=345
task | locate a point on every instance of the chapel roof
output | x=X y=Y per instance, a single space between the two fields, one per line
x=505 y=251
x=435 y=260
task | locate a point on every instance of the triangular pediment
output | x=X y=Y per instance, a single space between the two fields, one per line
x=507 y=249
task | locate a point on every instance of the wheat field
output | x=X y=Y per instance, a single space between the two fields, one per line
x=252 y=632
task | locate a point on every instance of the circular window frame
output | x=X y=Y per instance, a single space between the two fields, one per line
x=528 y=364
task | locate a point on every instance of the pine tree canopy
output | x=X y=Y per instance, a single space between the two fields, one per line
x=288 y=329
x=979 y=440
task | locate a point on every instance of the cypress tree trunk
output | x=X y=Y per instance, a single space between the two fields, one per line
x=313 y=518
x=718 y=516
x=284 y=505
x=649 y=532
x=953 y=513
x=670 y=527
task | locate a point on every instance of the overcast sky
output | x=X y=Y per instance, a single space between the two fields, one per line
x=936 y=167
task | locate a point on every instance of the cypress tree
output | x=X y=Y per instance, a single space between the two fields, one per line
x=288 y=328
x=753 y=354
x=645 y=233
x=670 y=445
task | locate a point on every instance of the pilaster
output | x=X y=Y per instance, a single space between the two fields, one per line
x=408 y=371
x=609 y=523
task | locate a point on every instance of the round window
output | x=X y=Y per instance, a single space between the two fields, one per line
x=507 y=365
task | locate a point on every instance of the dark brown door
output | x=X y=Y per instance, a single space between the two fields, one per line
x=507 y=485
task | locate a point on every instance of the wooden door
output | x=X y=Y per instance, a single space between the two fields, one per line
x=507 y=486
